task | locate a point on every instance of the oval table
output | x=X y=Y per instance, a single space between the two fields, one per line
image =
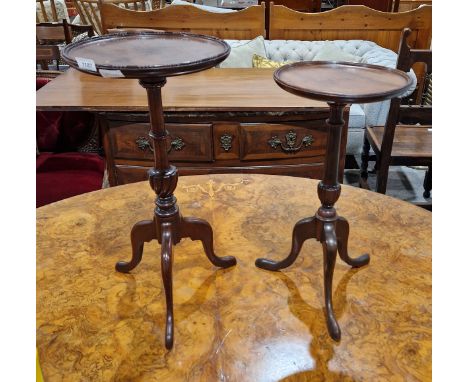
x=241 y=323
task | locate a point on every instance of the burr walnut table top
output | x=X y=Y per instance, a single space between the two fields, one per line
x=242 y=323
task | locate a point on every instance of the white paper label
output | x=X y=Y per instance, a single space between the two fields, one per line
x=86 y=64
x=110 y=73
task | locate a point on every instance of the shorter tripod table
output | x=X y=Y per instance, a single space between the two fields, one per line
x=338 y=84
x=151 y=57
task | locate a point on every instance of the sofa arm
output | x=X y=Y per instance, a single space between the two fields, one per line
x=376 y=113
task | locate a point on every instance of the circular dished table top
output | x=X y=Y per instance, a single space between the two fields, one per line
x=342 y=82
x=241 y=323
x=145 y=54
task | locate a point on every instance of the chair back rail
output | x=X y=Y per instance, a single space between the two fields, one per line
x=46 y=53
x=350 y=22
x=60 y=32
x=245 y=24
x=52 y=32
x=89 y=13
x=44 y=11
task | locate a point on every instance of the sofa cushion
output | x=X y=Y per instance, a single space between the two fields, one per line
x=330 y=52
x=242 y=54
x=61 y=176
x=262 y=62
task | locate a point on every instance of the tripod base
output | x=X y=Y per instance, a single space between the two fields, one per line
x=334 y=238
x=168 y=231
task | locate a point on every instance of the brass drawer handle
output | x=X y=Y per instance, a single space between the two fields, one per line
x=144 y=144
x=226 y=141
x=290 y=138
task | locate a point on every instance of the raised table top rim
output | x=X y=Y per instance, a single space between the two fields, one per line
x=340 y=67
x=146 y=71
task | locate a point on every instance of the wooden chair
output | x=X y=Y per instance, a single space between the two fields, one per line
x=47 y=53
x=50 y=36
x=90 y=10
x=400 y=142
x=60 y=32
x=44 y=14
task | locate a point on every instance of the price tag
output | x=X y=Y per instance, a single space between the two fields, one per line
x=110 y=73
x=86 y=64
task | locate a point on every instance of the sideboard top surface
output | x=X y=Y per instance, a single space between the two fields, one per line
x=248 y=89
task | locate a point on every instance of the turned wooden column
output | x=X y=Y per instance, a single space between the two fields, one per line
x=338 y=84
x=151 y=57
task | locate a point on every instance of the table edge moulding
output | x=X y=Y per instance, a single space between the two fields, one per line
x=168 y=226
x=326 y=226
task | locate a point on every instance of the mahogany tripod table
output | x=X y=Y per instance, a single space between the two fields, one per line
x=151 y=57
x=337 y=83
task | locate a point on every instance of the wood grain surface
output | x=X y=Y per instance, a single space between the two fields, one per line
x=249 y=89
x=242 y=25
x=242 y=323
x=352 y=22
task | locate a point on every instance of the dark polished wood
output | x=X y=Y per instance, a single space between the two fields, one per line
x=337 y=83
x=151 y=57
x=241 y=323
x=199 y=110
x=398 y=143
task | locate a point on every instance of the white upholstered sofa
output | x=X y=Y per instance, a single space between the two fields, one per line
x=294 y=50
x=370 y=53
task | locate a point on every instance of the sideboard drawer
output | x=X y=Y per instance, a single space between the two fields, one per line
x=188 y=142
x=279 y=141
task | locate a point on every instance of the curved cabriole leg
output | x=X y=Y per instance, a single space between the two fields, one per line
x=166 y=269
x=329 y=257
x=141 y=232
x=303 y=230
x=199 y=229
x=342 y=233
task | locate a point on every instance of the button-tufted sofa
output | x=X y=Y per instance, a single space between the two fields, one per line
x=370 y=53
x=298 y=50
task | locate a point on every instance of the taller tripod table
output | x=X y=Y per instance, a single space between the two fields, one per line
x=337 y=83
x=151 y=57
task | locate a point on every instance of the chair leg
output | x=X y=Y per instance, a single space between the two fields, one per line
x=364 y=163
x=365 y=157
x=428 y=182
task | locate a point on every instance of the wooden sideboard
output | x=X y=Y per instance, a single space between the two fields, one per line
x=220 y=121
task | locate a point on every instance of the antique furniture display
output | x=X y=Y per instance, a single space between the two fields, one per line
x=338 y=84
x=241 y=323
x=406 y=138
x=139 y=55
x=216 y=125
